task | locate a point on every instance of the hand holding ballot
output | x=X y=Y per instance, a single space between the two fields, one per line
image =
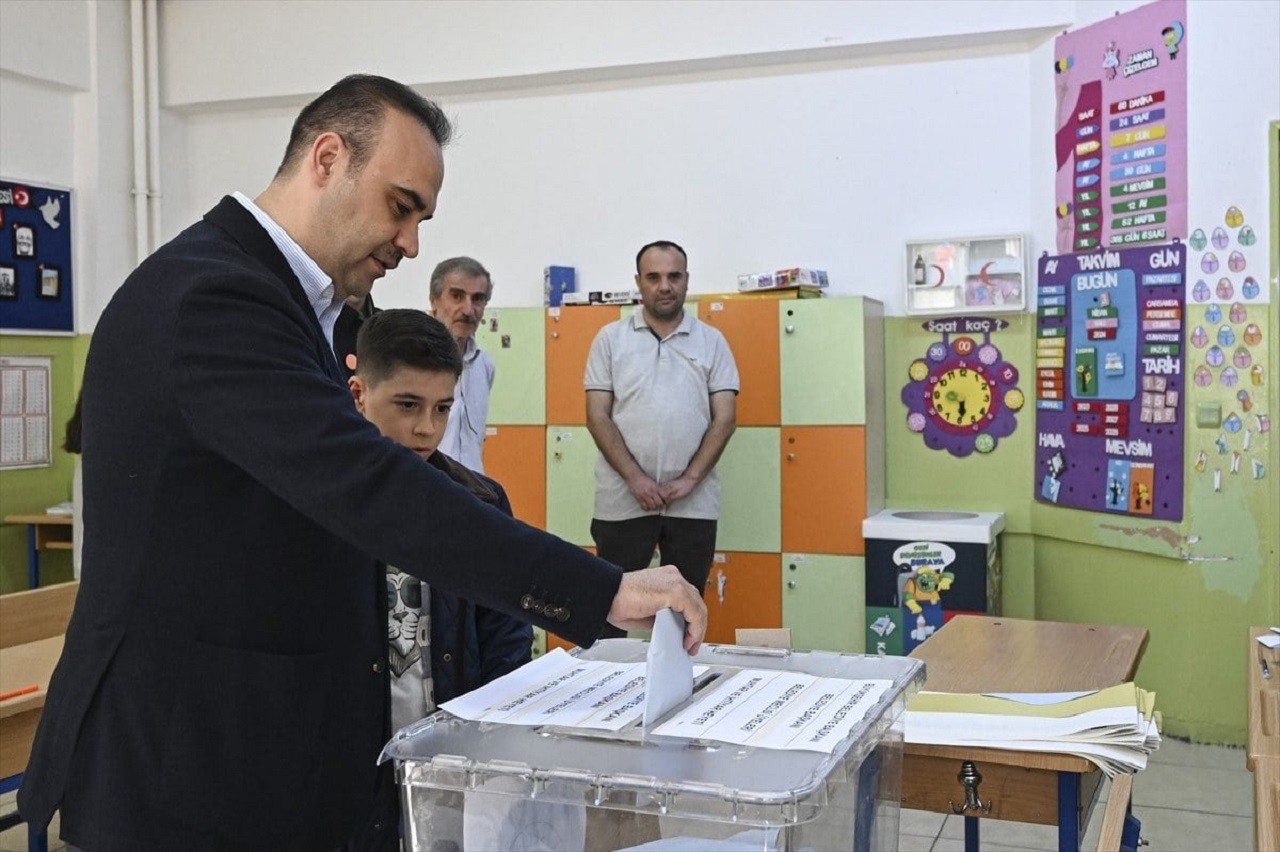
x=642 y=593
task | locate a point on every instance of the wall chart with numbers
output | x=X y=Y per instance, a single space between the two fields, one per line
x=1111 y=381
x=1120 y=89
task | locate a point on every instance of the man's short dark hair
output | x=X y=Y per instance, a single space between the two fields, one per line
x=355 y=108
x=468 y=266
x=660 y=244
x=403 y=337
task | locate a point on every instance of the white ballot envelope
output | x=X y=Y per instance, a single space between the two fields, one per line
x=669 y=668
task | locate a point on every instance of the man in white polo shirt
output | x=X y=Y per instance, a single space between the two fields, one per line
x=661 y=405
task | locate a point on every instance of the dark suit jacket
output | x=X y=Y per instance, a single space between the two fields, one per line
x=224 y=681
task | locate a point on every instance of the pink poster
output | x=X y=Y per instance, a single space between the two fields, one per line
x=1120 y=87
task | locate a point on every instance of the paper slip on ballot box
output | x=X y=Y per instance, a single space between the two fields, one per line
x=746 y=776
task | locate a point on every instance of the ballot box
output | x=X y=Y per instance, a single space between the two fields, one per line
x=468 y=784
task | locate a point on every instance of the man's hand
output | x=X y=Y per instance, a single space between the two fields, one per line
x=644 y=592
x=647 y=492
x=676 y=488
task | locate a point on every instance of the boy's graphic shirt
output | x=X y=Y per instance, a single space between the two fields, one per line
x=409 y=651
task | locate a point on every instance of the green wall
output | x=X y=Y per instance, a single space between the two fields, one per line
x=32 y=491
x=1059 y=566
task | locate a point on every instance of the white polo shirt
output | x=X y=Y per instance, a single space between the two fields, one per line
x=661 y=405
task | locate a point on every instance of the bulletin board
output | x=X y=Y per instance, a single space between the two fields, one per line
x=1111 y=381
x=35 y=258
x=1120 y=90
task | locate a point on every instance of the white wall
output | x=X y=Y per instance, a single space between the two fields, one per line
x=821 y=133
x=64 y=98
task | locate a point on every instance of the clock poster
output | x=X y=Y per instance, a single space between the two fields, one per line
x=1110 y=381
x=962 y=395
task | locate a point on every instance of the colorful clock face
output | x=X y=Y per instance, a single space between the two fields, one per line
x=961 y=396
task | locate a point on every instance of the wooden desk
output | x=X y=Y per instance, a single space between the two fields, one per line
x=982 y=654
x=1262 y=752
x=32 y=625
x=44 y=532
x=1264 y=700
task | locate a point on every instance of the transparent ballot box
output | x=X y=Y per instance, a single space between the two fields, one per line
x=468 y=785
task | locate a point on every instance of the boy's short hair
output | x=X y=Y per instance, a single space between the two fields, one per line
x=403 y=337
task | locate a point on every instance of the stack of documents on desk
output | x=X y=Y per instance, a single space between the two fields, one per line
x=1116 y=728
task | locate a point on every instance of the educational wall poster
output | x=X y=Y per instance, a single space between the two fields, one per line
x=35 y=258
x=1229 y=397
x=25 y=436
x=962 y=395
x=1111 y=381
x=1120 y=88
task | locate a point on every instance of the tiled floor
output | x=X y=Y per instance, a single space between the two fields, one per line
x=1191 y=798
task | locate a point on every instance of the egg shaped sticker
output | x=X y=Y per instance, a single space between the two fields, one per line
x=1242 y=358
x=1225 y=289
x=1252 y=334
x=1234 y=217
x=1213 y=313
x=1203 y=378
x=1209 y=263
x=1214 y=357
x=1238 y=313
x=1235 y=261
x=1250 y=289
x=1247 y=237
x=1200 y=292
x=1220 y=238
x=1228 y=377
x=1232 y=423
x=1198 y=240
x=1226 y=336
x=1198 y=337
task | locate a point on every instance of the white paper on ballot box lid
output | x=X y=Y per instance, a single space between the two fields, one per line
x=448 y=752
x=934 y=525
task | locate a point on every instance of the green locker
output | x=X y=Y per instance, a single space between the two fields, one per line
x=514 y=338
x=571 y=483
x=823 y=602
x=826 y=348
x=750 y=492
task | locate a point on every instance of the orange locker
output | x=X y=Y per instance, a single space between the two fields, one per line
x=743 y=590
x=570 y=332
x=516 y=456
x=824 y=489
x=751 y=328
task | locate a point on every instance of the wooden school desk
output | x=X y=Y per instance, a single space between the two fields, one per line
x=974 y=653
x=32 y=625
x=44 y=532
x=1262 y=753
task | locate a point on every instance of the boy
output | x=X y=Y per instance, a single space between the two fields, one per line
x=441 y=646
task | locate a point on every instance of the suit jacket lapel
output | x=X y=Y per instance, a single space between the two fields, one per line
x=231 y=216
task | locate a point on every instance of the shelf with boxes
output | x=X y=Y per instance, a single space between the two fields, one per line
x=803 y=469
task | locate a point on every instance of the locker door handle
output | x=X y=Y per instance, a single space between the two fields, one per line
x=555 y=335
x=791 y=584
x=790 y=329
x=791 y=456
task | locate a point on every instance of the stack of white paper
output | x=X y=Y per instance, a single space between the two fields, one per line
x=1116 y=728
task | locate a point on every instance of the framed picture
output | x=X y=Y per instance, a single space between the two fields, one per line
x=50 y=282
x=24 y=240
x=8 y=282
x=966 y=275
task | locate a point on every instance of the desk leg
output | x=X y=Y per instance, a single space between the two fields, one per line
x=1068 y=812
x=33 y=558
x=971 y=825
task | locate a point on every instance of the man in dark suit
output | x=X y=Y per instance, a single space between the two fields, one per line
x=224 y=682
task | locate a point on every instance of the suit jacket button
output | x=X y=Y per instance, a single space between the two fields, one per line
x=448 y=658
x=526 y=602
x=378 y=667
